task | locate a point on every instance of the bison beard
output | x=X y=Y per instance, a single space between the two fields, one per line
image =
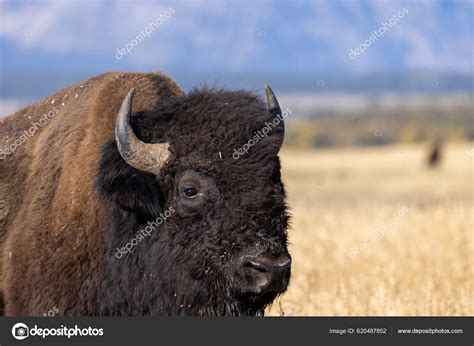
x=75 y=196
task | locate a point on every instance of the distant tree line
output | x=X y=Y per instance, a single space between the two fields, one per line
x=383 y=126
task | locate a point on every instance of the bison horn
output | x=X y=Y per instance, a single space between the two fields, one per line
x=272 y=101
x=275 y=110
x=143 y=156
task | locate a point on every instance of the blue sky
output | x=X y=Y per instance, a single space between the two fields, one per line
x=231 y=43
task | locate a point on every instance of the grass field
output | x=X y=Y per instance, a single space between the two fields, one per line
x=423 y=261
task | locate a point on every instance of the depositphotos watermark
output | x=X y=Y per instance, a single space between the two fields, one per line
x=51 y=312
x=377 y=33
x=21 y=331
x=379 y=232
x=469 y=154
x=144 y=34
x=260 y=134
x=141 y=234
x=30 y=132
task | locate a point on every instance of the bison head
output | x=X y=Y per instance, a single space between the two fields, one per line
x=198 y=220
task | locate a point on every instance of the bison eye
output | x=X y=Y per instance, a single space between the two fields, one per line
x=190 y=192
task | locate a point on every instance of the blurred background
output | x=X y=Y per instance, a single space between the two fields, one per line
x=382 y=119
x=422 y=67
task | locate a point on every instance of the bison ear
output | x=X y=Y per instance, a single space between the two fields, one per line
x=126 y=186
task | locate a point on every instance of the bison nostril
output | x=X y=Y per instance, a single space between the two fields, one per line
x=255 y=265
x=267 y=274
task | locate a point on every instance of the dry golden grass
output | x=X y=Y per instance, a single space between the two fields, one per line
x=422 y=265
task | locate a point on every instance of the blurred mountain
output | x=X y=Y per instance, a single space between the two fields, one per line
x=36 y=85
x=234 y=42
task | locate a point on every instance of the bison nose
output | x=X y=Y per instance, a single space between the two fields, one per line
x=266 y=274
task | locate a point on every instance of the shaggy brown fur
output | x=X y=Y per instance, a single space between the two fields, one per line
x=69 y=201
x=50 y=213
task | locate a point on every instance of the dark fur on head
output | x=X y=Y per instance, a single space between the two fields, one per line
x=187 y=265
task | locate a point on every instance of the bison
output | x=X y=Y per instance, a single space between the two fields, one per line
x=435 y=154
x=123 y=196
